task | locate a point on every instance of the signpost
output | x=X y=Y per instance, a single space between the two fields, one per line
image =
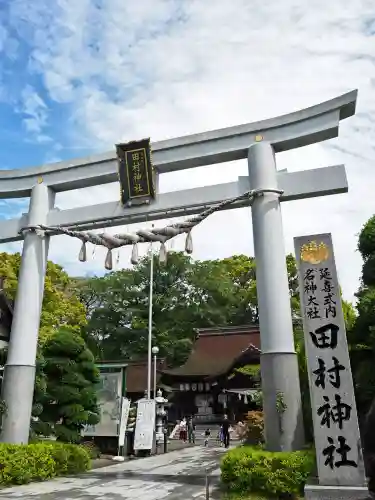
x=125 y=407
x=336 y=433
x=145 y=425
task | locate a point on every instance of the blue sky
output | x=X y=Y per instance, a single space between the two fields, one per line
x=75 y=78
x=33 y=125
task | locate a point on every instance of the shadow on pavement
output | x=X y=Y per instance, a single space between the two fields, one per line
x=190 y=479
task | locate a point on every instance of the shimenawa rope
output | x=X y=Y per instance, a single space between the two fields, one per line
x=143 y=236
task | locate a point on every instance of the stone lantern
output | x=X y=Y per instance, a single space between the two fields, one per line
x=160 y=416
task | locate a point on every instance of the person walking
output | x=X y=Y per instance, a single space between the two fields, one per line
x=225 y=426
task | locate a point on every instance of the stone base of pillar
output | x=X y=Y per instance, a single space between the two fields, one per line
x=319 y=492
x=18 y=387
x=160 y=437
x=284 y=430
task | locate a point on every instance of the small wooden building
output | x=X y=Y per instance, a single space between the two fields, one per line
x=136 y=378
x=118 y=379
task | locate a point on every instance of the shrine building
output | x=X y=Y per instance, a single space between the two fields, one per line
x=209 y=384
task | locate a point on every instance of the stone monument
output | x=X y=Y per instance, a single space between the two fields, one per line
x=336 y=433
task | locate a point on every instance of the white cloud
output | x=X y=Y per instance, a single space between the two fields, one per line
x=167 y=68
x=35 y=111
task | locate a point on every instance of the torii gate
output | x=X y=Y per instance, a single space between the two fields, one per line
x=258 y=142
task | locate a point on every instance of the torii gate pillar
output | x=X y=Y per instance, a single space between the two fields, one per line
x=19 y=374
x=279 y=364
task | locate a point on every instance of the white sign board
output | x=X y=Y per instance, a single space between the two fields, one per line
x=336 y=432
x=145 y=425
x=125 y=407
x=109 y=401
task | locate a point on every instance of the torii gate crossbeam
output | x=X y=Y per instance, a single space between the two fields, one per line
x=258 y=141
x=295 y=186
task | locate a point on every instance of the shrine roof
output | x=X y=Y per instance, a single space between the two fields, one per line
x=216 y=350
x=136 y=375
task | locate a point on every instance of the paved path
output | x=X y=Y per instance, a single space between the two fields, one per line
x=178 y=475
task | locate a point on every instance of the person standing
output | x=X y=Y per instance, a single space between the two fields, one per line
x=191 y=431
x=225 y=426
x=207 y=434
x=183 y=430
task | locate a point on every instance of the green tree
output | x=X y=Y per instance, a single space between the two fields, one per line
x=187 y=295
x=242 y=271
x=362 y=335
x=61 y=306
x=68 y=401
x=350 y=315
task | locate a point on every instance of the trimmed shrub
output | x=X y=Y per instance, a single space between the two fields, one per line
x=20 y=464
x=78 y=460
x=92 y=449
x=71 y=458
x=254 y=427
x=69 y=402
x=254 y=470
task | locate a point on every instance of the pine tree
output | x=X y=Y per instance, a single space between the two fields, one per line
x=69 y=402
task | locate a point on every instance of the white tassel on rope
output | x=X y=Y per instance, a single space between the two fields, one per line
x=108 y=264
x=163 y=253
x=135 y=256
x=189 y=243
x=170 y=231
x=83 y=253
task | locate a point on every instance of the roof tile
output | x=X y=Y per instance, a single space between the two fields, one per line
x=216 y=349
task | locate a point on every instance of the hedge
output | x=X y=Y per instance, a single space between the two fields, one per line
x=20 y=464
x=253 y=470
